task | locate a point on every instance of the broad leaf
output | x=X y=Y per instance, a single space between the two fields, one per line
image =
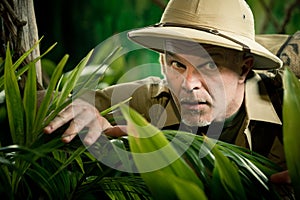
x=157 y=160
x=228 y=175
x=291 y=127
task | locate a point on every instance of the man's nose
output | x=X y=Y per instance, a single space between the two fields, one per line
x=192 y=80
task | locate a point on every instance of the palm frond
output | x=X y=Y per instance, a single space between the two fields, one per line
x=250 y=165
x=120 y=187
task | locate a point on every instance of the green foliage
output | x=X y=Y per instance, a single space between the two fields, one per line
x=14 y=102
x=291 y=127
x=38 y=166
x=227 y=177
x=18 y=110
x=205 y=170
x=159 y=161
x=276 y=16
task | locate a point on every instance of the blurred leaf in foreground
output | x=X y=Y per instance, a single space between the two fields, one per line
x=291 y=127
x=162 y=168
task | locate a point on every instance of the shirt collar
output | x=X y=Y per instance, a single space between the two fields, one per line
x=258 y=103
x=161 y=88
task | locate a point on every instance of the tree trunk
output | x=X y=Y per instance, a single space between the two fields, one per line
x=20 y=29
x=25 y=10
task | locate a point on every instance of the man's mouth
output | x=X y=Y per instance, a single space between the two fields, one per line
x=193 y=105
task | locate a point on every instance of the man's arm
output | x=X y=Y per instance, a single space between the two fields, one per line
x=84 y=112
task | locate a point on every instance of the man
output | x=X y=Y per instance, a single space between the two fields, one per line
x=208 y=55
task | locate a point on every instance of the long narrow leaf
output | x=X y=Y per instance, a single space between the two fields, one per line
x=46 y=52
x=41 y=176
x=14 y=104
x=26 y=54
x=5 y=182
x=20 y=60
x=291 y=127
x=72 y=79
x=22 y=70
x=44 y=107
x=86 y=83
x=73 y=157
x=122 y=187
x=30 y=102
x=114 y=107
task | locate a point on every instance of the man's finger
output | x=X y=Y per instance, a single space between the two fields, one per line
x=62 y=118
x=67 y=138
x=81 y=120
x=95 y=130
x=116 y=131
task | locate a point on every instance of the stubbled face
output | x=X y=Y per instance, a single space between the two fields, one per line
x=208 y=83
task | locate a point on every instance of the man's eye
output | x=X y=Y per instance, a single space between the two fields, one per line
x=211 y=65
x=177 y=65
x=208 y=66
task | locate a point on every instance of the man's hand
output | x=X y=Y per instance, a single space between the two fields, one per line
x=81 y=114
x=281 y=177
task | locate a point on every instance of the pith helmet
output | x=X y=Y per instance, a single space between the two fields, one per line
x=224 y=23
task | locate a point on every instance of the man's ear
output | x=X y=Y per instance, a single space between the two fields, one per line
x=247 y=65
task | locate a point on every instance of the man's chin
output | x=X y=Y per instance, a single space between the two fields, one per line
x=195 y=122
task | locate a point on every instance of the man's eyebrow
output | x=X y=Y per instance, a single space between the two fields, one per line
x=207 y=56
x=173 y=55
x=168 y=53
x=215 y=54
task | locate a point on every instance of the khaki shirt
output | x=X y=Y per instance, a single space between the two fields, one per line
x=261 y=129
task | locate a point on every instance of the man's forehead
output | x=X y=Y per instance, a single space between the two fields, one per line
x=191 y=48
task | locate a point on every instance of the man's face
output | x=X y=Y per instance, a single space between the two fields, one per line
x=206 y=84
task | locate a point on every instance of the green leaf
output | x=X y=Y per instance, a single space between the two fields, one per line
x=73 y=157
x=22 y=70
x=75 y=84
x=291 y=127
x=123 y=187
x=202 y=167
x=154 y=157
x=5 y=181
x=14 y=104
x=30 y=103
x=86 y=83
x=44 y=107
x=41 y=177
x=182 y=188
x=225 y=175
x=72 y=80
x=114 y=107
x=79 y=161
x=15 y=66
x=228 y=174
x=253 y=169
